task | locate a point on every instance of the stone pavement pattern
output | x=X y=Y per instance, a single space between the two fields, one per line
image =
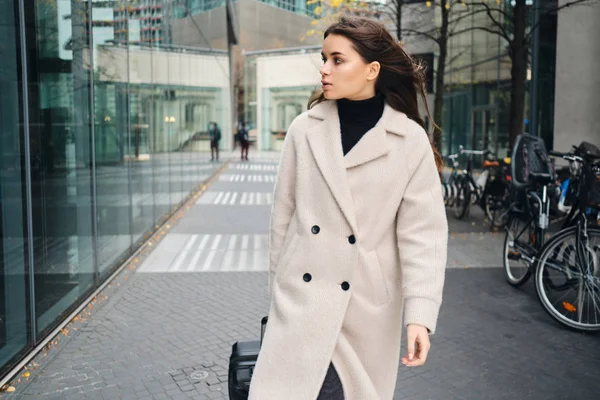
x=164 y=330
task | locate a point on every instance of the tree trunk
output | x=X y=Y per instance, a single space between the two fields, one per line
x=399 y=19
x=438 y=104
x=517 y=74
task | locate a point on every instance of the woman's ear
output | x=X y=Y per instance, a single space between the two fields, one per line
x=373 y=70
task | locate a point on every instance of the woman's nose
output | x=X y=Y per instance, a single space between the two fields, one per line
x=324 y=70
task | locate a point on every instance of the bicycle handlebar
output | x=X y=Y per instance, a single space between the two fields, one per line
x=565 y=156
x=462 y=150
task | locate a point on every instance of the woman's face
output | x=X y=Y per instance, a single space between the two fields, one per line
x=345 y=74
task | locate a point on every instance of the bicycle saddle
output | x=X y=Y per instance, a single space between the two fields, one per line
x=540 y=178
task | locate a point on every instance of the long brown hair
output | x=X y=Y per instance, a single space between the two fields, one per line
x=401 y=78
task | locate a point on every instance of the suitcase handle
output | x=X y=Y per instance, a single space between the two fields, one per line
x=263 y=325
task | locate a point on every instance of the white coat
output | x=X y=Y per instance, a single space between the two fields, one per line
x=356 y=243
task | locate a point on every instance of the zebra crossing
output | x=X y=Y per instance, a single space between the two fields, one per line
x=255 y=167
x=209 y=253
x=198 y=247
x=247 y=178
x=236 y=198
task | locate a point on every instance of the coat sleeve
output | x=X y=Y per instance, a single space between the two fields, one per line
x=284 y=202
x=422 y=232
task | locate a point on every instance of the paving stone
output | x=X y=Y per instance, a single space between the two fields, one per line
x=493 y=342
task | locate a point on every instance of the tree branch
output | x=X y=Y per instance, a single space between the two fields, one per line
x=487 y=7
x=455 y=57
x=495 y=22
x=414 y=32
x=485 y=29
x=555 y=10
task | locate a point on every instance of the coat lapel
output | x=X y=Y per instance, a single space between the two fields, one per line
x=371 y=146
x=326 y=145
x=374 y=143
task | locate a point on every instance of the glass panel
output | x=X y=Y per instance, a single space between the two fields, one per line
x=477 y=136
x=13 y=286
x=113 y=206
x=113 y=147
x=160 y=156
x=175 y=131
x=60 y=156
x=285 y=105
x=141 y=175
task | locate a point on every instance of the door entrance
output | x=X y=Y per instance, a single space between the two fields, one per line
x=484 y=129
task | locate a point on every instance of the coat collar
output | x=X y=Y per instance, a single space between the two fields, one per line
x=326 y=144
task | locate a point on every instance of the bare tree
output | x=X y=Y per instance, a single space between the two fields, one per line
x=511 y=23
x=422 y=24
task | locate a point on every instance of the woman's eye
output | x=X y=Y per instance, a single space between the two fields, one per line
x=338 y=60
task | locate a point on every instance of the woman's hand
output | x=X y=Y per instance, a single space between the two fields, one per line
x=418 y=346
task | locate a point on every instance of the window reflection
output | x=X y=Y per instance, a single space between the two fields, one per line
x=13 y=293
x=60 y=156
x=106 y=167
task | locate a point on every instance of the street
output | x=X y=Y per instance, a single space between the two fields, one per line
x=163 y=328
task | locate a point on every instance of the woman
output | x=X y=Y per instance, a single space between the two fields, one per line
x=358 y=231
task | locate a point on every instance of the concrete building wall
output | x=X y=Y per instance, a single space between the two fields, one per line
x=162 y=68
x=212 y=32
x=577 y=101
x=261 y=27
x=264 y=27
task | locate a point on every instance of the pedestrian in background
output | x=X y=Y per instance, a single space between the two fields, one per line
x=358 y=230
x=244 y=140
x=215 y=136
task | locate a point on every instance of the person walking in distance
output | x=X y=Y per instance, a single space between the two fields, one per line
x=358 y=231
x=215 y=136
x=244 y=140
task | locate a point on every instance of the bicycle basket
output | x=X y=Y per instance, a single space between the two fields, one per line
x=529 y=156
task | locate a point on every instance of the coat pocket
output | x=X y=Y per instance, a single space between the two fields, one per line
x=379 y=287
x=286 y=257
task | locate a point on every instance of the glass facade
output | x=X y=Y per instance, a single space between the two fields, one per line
x=272 y=105
x=103 y=134
x=477 y=97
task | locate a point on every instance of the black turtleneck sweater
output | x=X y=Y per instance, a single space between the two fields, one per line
x=357 y=117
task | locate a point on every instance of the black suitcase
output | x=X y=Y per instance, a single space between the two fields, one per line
x=241 y=365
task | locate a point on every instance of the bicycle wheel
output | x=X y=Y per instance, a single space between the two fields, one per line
x=462 y=202
x=567 y=278
x=497 y=209
x=497 y=203
x=519 y=251
x=451 y=194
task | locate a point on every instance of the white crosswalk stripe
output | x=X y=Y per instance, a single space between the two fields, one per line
x=209 y=253
x=263 y=178
x=256 y=167
x=236 y=198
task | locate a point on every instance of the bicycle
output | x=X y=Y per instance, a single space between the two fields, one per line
x=567 y=275
x=533 y=177
x=488 y=191
x=497 y=200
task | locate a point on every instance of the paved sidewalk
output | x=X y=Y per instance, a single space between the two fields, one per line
x=164 y=327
